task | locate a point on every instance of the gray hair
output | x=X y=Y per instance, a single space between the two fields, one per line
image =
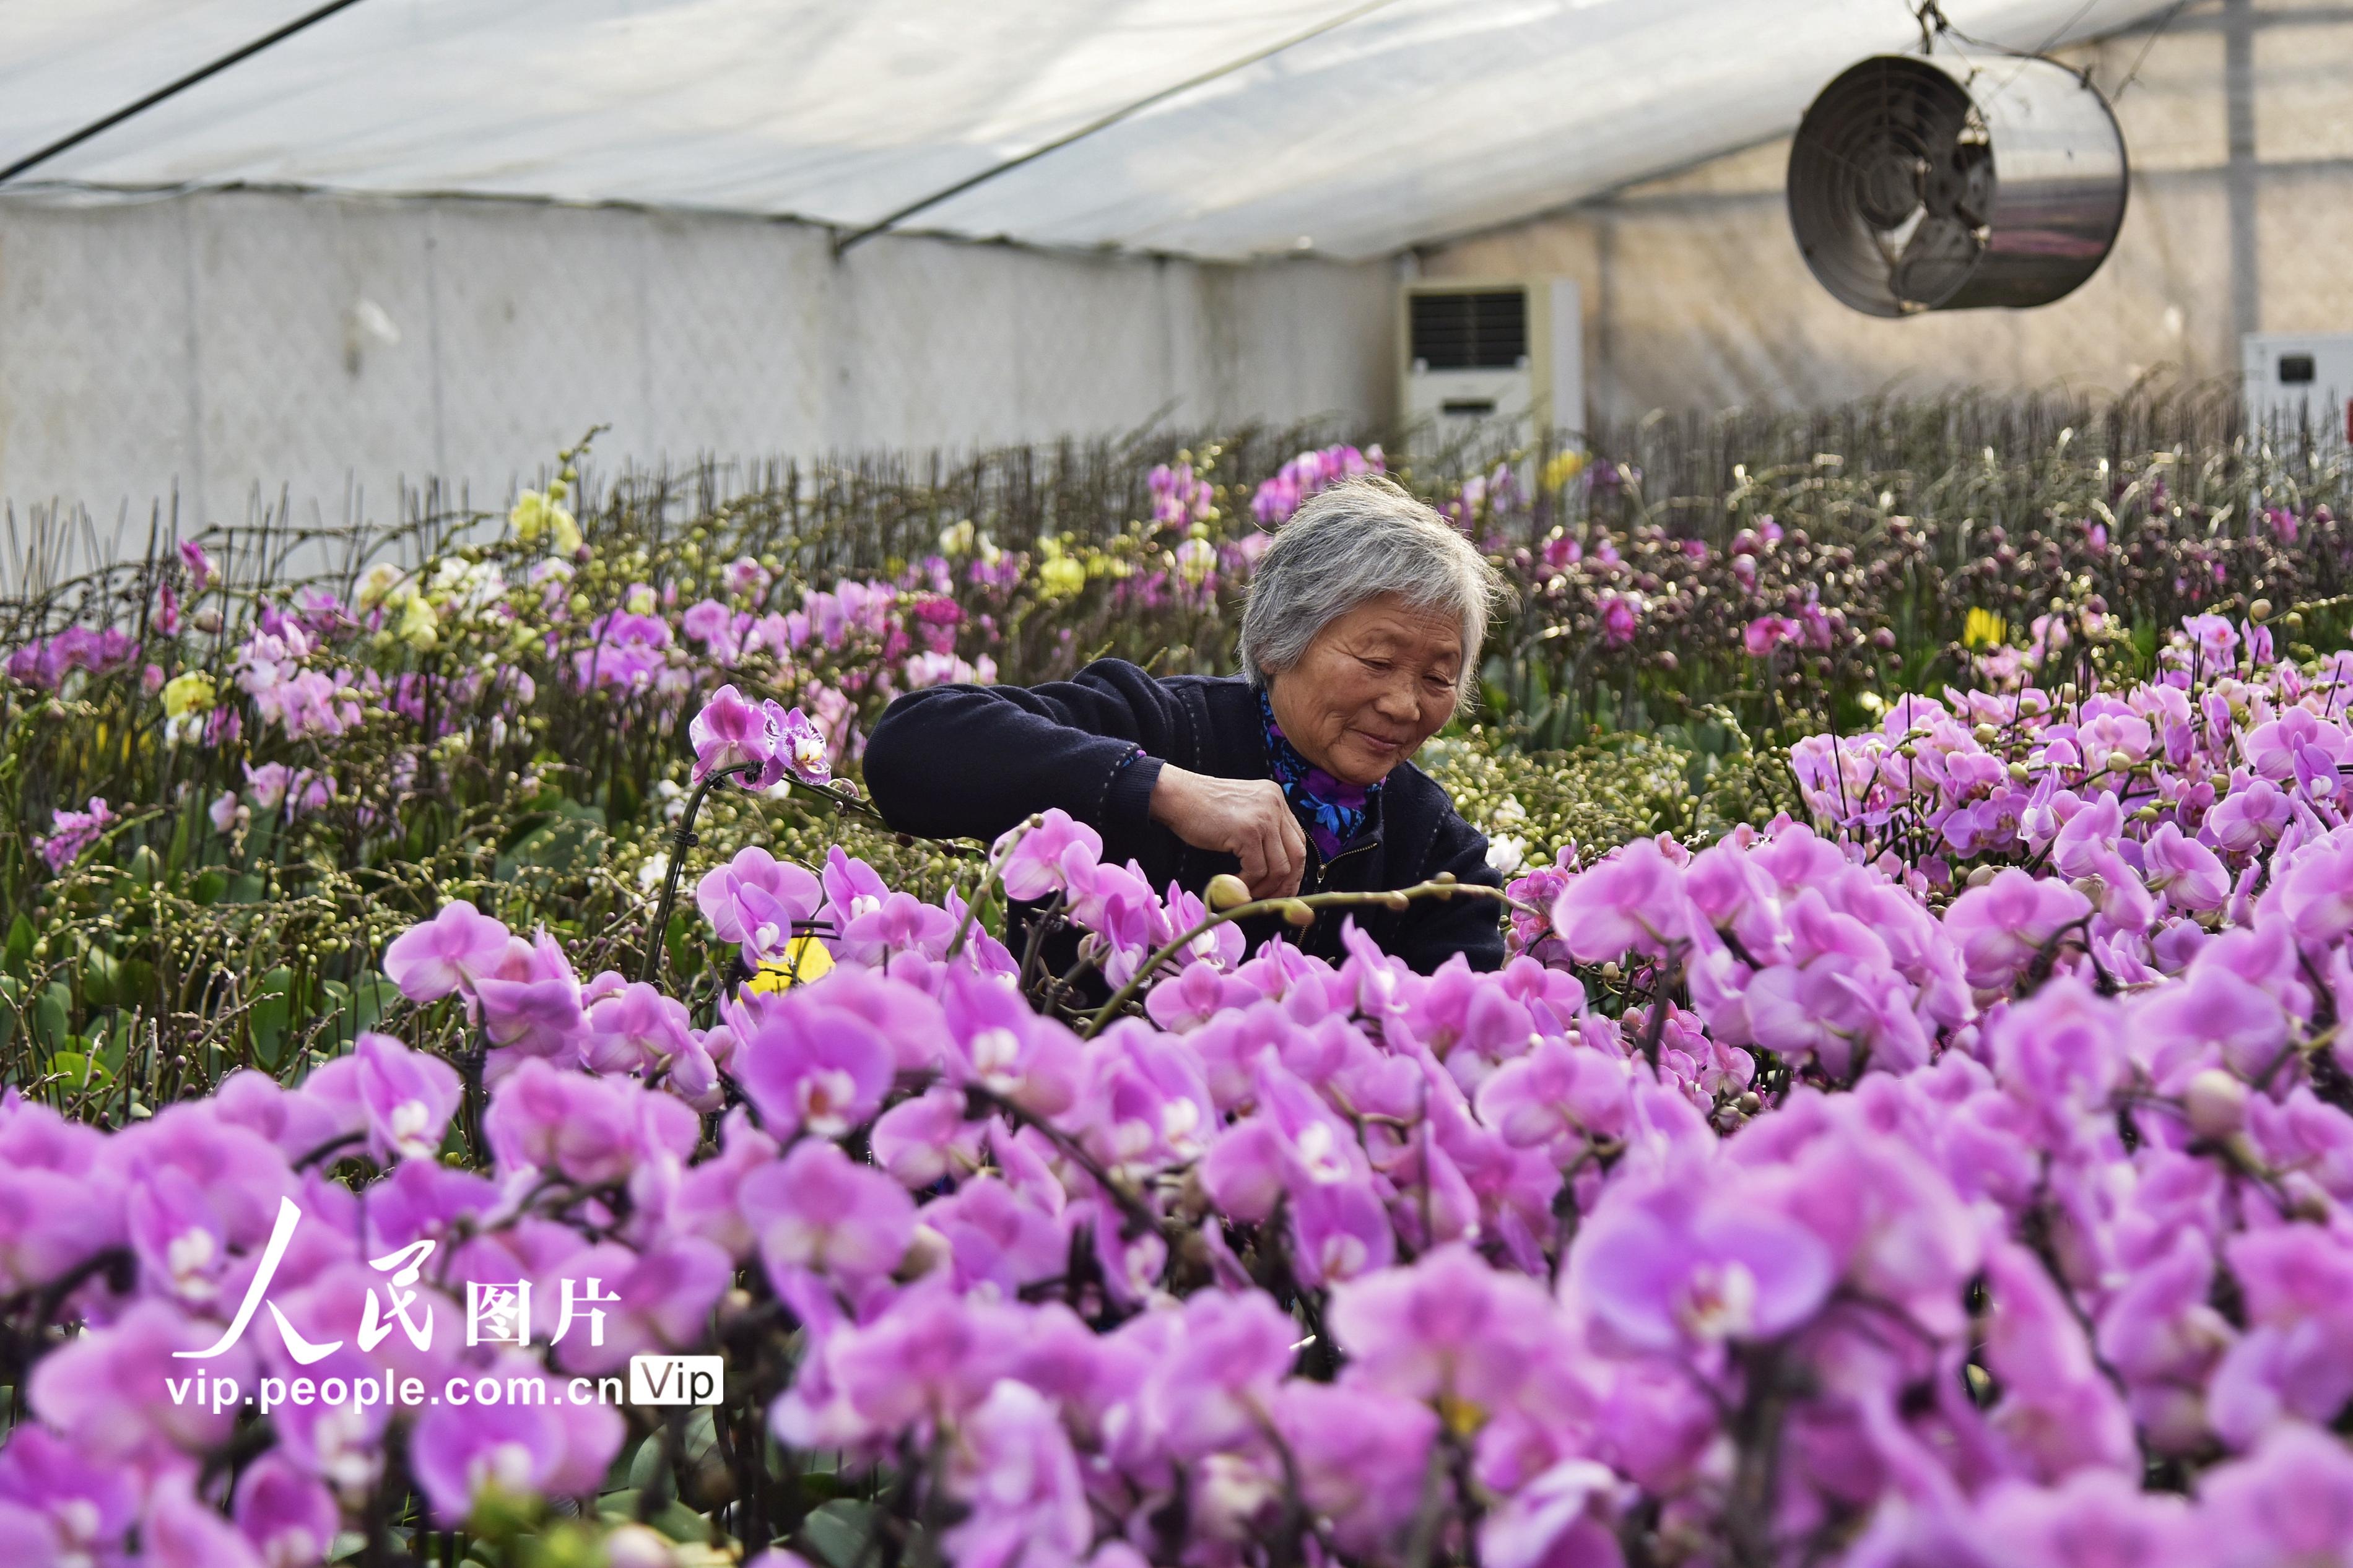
x=1355 y=542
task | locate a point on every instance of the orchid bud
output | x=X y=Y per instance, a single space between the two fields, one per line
x=2216 y=1102
x=2018 y=773
x=2120 y=761
x=1986 y=733
x=1225 y=891
x=1295 y=912
x=1981 y=876
x=2259 y=610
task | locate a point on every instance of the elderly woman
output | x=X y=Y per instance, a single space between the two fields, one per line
x=1360 y=638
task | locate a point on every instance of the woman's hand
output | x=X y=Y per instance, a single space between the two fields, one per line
x=1247 y=818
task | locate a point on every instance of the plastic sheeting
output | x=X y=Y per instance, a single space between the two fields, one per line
x=1409 y=121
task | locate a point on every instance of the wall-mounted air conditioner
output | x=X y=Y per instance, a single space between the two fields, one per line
x=2298 y=379
x=1472 y=350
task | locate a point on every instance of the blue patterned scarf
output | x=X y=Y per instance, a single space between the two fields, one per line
x=1333 y=813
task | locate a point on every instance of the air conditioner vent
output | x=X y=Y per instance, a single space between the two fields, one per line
x=1473 y=350
x=1485 y=330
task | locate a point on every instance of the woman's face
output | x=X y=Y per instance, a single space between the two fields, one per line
x=1373 y=686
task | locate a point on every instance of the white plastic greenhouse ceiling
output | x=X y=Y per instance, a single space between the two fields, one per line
x=1349 y=130
x=394 y=240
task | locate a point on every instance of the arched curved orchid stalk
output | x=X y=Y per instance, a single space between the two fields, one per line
x=680 y=842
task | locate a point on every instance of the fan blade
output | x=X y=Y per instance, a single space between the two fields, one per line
x=1894 y=236
x=1936 y=260
x=1959 y=183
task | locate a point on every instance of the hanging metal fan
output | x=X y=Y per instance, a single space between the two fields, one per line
x=1925 y=185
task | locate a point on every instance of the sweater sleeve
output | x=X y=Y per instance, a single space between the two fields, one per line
x=1433 y=931
x=972 y=760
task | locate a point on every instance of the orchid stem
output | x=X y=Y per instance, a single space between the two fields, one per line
x=989 y=879
x=680 y=842
x=1137 y=1213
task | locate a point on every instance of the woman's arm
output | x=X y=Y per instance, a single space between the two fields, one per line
x=971 y=761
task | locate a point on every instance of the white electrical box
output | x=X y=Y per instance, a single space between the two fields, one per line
x=1493 y=350
x=2299 y=380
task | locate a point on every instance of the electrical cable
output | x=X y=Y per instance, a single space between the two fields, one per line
x=1106 y=122
x=95 y=127
x=1931 y=17
x=2142 y=59
x=2043 y=52
x=2064 y=27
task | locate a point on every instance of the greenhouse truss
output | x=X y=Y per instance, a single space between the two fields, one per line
x=1220 y=128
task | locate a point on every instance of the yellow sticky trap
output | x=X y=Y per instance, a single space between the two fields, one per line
x=804 y=960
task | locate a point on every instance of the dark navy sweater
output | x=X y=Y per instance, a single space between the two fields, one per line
x=970 y=761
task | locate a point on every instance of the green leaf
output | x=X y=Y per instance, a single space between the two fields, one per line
x=371 y=993
x=555 y=841
x=646 y=1469
x=211 y=886
x=272 y=1009
x=17 y=957
x=334 y=1005
x=51 y=1014
x=682 y=1523
x=109 y=1048
x=838 y=1531
x=685 y=951
x=183 y=836
x=134 y=982
x=82 y=1071
x=523 y=827
x=101 y=979
x=627 y=802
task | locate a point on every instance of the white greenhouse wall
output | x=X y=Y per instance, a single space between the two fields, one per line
x=225 y=346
